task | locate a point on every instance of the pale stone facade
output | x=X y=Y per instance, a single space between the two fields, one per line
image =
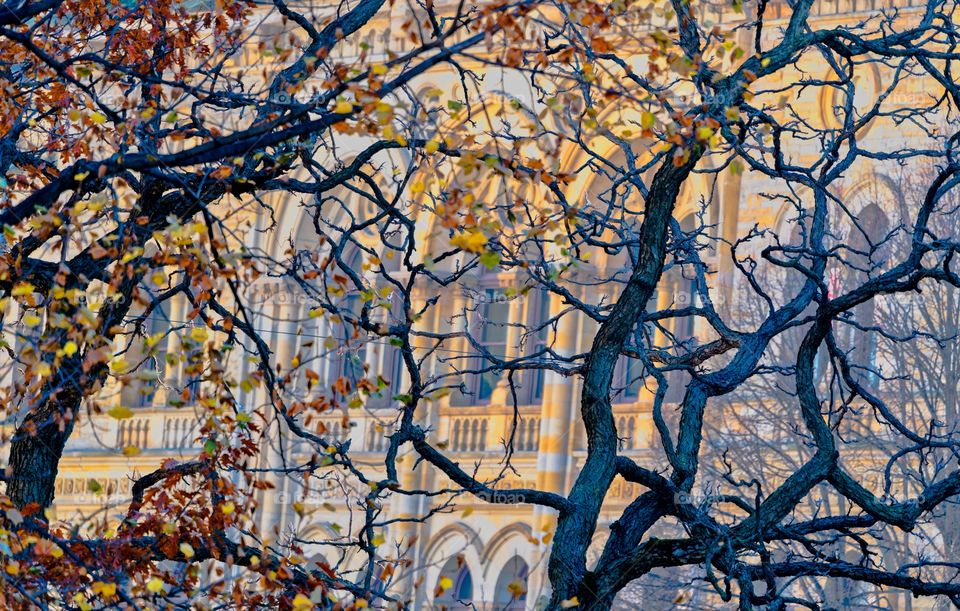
x=496 y=544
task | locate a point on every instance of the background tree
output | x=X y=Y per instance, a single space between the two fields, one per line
x=142 y=166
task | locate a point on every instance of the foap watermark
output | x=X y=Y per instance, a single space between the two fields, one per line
x=277 y=293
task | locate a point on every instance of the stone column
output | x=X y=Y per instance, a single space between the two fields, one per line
x=286 y=315
x=413 y=535
x=560 y=397
x=171 y=372
x=559 y=401
x=665 y=300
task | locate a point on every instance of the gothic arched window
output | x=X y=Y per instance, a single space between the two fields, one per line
x=678 y=291
x=538 y=313
x=866 y=243
x=511 y=588
x=348 y=340
x=459 y=595
x=488 y=319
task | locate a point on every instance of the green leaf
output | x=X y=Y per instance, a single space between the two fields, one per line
x=490 y=259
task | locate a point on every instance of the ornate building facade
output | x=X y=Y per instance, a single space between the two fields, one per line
x=484 y=549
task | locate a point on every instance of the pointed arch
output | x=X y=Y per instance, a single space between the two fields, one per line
x=455 y=589
x=510 y=592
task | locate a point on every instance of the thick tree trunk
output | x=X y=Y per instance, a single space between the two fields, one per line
x=567 y=566
x=37 y=445
x=35 y=453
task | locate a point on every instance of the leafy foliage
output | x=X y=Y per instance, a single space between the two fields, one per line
x=310 y=198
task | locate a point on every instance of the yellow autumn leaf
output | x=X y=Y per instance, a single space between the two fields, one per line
x=472 y=240
x=98 y=118
x=516 y=588
x=106 y=590
x=343 y=108
x=378 y=69
x=187 y=550
x=31 y=320
x=70 y=348
x=155 y=585
x=199 y=334
x=46 y=547
x=432 y=146
x=227 y=508
x=302 y=603
x=131 y=451
x=570 y=603
x=445 y=583
x=22 y=289
x=154 y=339
x=118 y=365
x=120 y=413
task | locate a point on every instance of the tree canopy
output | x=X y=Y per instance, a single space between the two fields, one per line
x=365 y=176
